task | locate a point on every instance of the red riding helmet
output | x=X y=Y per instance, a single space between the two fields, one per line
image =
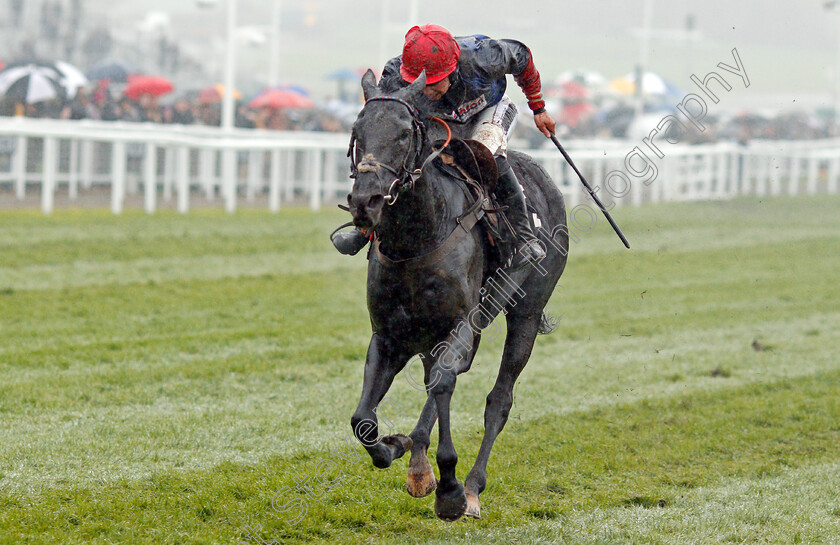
x=431 y=48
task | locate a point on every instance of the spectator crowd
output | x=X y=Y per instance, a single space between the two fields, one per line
x=101 y=103
x=579 y=116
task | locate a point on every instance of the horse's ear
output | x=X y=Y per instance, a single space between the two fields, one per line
x=369 y=85
x=417 y=85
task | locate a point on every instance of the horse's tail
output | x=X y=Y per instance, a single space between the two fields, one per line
x=548 y=324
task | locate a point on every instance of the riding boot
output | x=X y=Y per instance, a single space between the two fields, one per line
x=529 y=249
x=351 y=242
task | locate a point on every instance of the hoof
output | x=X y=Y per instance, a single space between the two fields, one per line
x=452 y=505
x=473 y=507
x=398 y=443
x=421 y=478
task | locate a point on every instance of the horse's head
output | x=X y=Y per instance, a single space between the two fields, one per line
x=385 y=148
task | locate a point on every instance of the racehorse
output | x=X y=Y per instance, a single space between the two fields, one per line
x=427 y=280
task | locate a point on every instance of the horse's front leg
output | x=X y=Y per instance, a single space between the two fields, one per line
x=383 y=363
x=451 y=358
x=421 y=478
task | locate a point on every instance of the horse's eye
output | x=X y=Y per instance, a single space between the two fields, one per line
x=405 y=134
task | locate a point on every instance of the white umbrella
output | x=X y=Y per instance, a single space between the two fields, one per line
x=588 y=78
x=71 y=77
x=31 y=83
x=654 y=84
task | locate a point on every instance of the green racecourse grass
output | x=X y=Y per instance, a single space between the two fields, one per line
x=162 y=377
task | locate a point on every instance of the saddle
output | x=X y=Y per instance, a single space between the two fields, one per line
x=475 y=161
x=471 y=163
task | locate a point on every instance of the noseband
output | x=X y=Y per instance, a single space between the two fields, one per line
x=403 y=176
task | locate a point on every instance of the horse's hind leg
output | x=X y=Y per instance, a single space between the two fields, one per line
x=381 y=366
x=522 y=331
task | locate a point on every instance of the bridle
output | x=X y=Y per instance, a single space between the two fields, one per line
x=404 y=176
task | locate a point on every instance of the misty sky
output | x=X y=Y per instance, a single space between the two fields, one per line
x=795 y=23
x=788 y=45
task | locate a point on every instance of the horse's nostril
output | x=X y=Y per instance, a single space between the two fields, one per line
x=376 y=201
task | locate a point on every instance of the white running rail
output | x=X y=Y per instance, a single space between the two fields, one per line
x=172 y=161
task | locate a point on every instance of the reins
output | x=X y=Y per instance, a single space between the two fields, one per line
x=407 y=178
x=403 y=177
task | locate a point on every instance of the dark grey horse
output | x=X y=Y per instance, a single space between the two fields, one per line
x=429 y=301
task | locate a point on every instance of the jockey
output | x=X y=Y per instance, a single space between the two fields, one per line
x=465 y=83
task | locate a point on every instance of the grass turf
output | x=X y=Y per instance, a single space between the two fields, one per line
x=163 y=378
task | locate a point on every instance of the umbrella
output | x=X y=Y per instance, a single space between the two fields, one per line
x=587 y=78
x=280 y=98
x=573 y=114
x=71 y=77
x=652 y=84
x=214 y=93
x=113 y=70
x=147 y=85
x=31 y=83
x=342 y=76
x=345 y=74
x=623 y=86
x=572 y=90
x=299 y=89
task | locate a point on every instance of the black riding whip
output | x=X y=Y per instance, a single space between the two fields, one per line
x=592 y=193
